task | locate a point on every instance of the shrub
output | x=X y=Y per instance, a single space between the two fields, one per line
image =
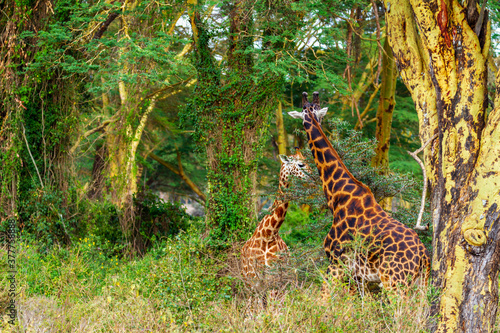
x=51 y=216
x=157 y=218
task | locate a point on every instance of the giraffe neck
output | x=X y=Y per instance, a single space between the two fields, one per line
x=270 y=224
x=339 y=184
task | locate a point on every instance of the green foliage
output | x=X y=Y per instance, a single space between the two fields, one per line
x=50 y=216
x=408 y=216
x=295 y=229
x=101 y=218
x=494 y=16
x=178 y=287
x=158 y=218
x=189 y=280
x=50 y=272
x=309 y=229
x=10 y=163
x=42 y=110
x=59 y=80
x=178 y=274
x=239 y=83
x=404 y=133
x=356 y=152
x=53 y=217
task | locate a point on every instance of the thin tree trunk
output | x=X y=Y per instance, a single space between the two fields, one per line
x=180 y=172
x=384 y=115
x=98 y=168
x=281 y=142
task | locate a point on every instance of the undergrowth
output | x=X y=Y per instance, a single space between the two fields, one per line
x=180 y=286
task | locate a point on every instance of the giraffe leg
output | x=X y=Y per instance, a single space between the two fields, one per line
x=357 y=286
x=334 y=275
x=325 y=287
x=393 y=282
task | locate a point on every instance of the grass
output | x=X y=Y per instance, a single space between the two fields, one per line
x=180 y=287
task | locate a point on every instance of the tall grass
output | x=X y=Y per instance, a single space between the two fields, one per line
x=180 y=287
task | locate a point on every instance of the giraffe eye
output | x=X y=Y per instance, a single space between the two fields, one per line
x=301 y=165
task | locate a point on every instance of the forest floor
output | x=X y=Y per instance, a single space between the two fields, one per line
x=178 y=287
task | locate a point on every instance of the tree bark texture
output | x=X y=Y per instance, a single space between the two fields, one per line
x=98 y=167
x=122 y=141
x=442 y=59
x=179 y=171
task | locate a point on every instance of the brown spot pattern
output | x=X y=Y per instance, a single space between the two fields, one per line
x=265 y=245
x=390 y=253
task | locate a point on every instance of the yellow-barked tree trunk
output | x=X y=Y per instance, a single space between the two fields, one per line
x=441 y=50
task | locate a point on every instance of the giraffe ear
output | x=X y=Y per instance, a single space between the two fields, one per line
x=296 y=115
x=322 y=112
x=284 y=159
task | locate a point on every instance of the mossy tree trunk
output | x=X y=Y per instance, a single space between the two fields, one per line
x=232 y=103
x=230 y=126
x=123 y=135
x=37 y=113
x=441 y=49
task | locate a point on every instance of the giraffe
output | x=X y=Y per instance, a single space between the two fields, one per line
x=394 y=255
x=265 y=244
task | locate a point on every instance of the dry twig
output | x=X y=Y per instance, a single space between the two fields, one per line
x=424 y=191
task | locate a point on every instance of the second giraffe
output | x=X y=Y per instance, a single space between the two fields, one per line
x=265 y=245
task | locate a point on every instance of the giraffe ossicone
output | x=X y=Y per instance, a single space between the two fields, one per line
x=315 y=109
x=394 y=255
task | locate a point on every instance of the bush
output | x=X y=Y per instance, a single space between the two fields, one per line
x=157 y=218
x=51 y=216
x=189 y=277
x=103 y=223
x=178 y=277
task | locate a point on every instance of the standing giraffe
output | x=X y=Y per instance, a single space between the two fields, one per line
x=393 y=253
x=265 y=245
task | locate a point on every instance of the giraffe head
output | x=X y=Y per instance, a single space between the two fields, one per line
x=313 y=108
x=293 y=165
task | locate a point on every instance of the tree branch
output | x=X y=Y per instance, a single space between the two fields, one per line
x=193 y=16
x=154 y=93
x=105 y=25
x=479 y=23
x=424 y=191
x=32 y=159
x=2 y=128
x=90 y=132
x=180 y=172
